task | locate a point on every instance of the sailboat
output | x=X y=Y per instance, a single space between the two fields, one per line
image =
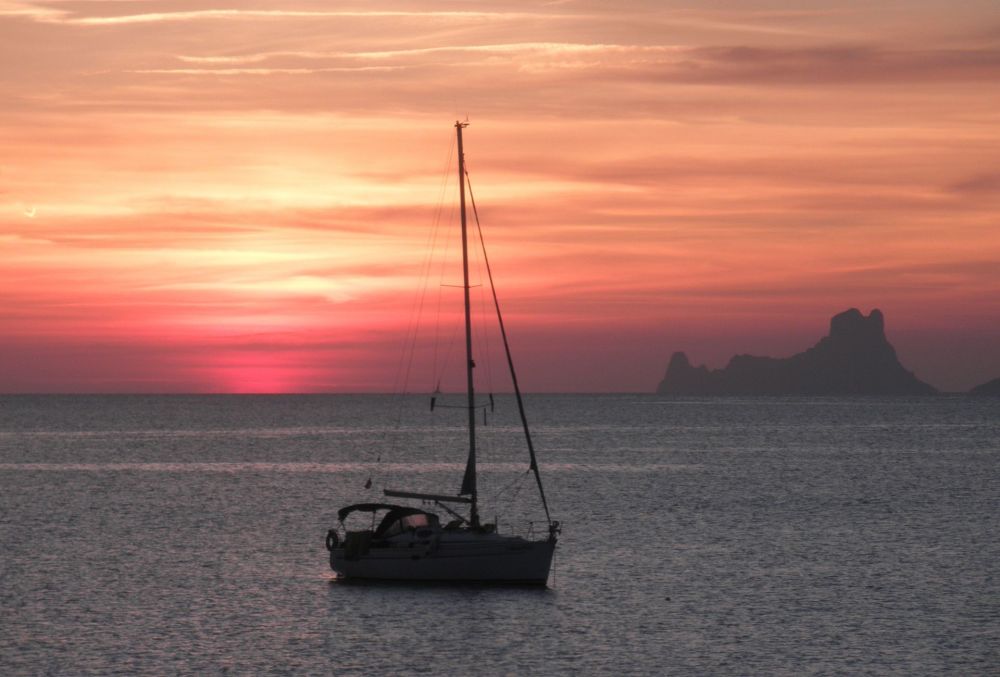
x=410 y=543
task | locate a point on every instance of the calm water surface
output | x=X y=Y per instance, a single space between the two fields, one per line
x=184 y=535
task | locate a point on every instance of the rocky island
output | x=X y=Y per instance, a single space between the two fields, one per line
x=989 y=389
x=854 y=359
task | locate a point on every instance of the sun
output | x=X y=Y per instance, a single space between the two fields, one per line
x=261 y=373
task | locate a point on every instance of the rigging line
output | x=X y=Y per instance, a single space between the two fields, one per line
x=405 y=343
x=510 y=359
x=413 y=326
x=517 y=478
x=517 y=491
x=416 y=310
x=402 y=374
x=481 y=332
x=425 y=276
x=446 y=180
x=439 y=328
x=511 y=501
x=412 y=329
x=449 y=350
x=415 y=313
x=483 y=337
x=448 y=336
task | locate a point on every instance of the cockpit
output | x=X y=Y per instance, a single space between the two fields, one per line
x=394 y=524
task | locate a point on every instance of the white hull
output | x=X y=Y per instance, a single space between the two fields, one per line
x=463 y=556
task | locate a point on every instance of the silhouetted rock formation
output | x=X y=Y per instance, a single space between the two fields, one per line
x=990 y=388
x=855 y=359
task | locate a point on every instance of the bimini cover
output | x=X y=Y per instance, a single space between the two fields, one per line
x=395 y=511
x=367 y=507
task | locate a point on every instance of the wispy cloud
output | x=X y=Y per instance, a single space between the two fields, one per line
x=814 y=66
x=670 y=63
x=980 y=184
x=261 y=71
x=838 y=64
x=515 y=48
x=28 y=10
x=51 y=15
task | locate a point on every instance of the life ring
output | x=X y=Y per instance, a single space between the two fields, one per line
x=332 y=540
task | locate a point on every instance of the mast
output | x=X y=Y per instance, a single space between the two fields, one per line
x=469 y=480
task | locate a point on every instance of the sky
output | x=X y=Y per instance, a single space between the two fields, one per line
x=229 y=196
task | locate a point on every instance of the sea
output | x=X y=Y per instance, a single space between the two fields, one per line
x=184 y=535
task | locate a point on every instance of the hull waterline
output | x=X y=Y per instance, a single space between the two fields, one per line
x=497 y=560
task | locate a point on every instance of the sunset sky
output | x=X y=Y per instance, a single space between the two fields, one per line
x=238 y=196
